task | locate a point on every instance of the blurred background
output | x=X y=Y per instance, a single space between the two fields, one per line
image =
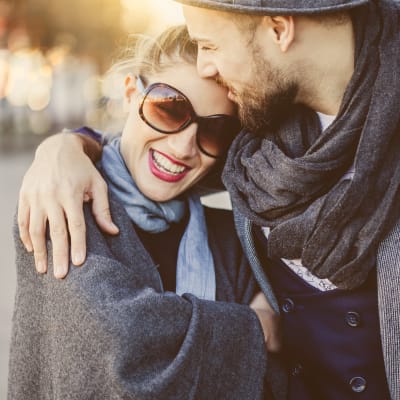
x=53 y=54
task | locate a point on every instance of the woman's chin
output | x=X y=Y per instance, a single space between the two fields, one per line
x=158 y=195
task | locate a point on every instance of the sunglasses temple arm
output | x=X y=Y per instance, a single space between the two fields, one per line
x=139 y=83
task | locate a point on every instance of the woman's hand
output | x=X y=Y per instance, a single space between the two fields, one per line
x=269 y=321
x=54 y=188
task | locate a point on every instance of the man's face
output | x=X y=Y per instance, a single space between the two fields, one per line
x=264 y=102
x=246 y=61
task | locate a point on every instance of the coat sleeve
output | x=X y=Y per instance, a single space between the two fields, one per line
x=106 y=333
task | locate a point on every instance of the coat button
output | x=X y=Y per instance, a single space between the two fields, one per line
x=297 y=370
x=353 y=319
x=287 y=305
x=358 y=384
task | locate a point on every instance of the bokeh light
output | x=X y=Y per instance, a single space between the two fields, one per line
x=156 y=14
x=53 y=55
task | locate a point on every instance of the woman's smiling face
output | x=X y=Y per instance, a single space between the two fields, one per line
x=165 y=165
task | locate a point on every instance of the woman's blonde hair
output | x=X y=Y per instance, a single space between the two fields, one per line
x=145 y=55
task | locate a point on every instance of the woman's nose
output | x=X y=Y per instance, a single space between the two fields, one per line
x=183 y=144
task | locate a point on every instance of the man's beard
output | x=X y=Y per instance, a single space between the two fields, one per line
x=261 y=112
x=263 y=105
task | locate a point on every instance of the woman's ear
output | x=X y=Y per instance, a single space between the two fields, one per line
x=283 y=31
x=130 y=88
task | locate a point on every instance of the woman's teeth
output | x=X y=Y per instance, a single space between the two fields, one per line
x=164 y=164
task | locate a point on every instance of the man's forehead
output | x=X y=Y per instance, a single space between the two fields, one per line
x=204 y=24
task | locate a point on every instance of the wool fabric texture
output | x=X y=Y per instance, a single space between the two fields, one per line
x=289 y=179
x=276 y=7
x=195 y=271
x=109 y=332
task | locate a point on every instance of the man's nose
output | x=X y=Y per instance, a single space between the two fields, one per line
x=183 y=144
x=206 y=68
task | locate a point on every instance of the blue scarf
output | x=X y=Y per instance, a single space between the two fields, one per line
x=195 y=272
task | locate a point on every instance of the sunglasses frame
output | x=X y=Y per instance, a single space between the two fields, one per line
x=194 y=118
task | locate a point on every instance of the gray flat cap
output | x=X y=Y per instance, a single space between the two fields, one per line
x=276 y=7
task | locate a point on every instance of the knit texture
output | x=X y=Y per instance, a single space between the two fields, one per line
x=388 y=281
x=108 y=331
x=289 y=178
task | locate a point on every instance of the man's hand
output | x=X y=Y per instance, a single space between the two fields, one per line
x=269 y=321
x=54 y=188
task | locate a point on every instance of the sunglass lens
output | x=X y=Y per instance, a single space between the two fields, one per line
x=166 y=109
x=216 y=134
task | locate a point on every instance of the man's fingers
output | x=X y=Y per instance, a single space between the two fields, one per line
x=260 y=301
x=269 y=320
x=274 y=342
x=101 y=208
x=37 y=233
x=23 y=224
x=59 y=240
x=77 y=231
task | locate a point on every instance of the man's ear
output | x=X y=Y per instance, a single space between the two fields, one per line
x=283 y=30
x=130 y=88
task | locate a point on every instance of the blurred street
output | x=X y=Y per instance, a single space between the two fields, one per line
x=12 y=167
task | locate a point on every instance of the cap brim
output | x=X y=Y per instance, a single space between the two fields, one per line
x=286 y=7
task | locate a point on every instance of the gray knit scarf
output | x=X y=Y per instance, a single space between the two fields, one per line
x=289 y=179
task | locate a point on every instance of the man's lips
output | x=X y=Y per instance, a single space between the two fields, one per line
x=165 y=168
x=231 y=92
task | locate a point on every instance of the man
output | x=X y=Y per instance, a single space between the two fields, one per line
x=315 y=182
x=325 y=193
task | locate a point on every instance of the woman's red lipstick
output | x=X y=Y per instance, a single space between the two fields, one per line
x=166 y=168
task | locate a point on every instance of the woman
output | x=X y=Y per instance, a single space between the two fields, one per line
x=139 y=320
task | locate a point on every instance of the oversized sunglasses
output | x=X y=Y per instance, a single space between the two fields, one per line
x=168 y=110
